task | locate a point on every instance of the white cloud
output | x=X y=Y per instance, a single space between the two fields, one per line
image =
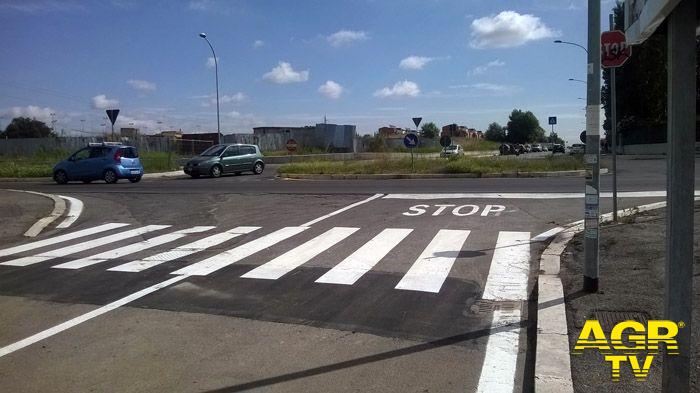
x=344 y=37
x=42 y=6
x=488 y=89
x=400 y=89
x=102 y=102
x=225 y=99
x=284 y=73
x=31 y=111
x=141 y=85
x=415 y=62
x=508 y=29
x=480 y=69
x=258 y=44
x=233 y=114
x=211 y=63
x=200 y=5
x=331 y=90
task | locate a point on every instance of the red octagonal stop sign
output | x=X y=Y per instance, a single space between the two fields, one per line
x=614 y=50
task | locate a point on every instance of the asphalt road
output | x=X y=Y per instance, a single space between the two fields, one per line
x=257 y=283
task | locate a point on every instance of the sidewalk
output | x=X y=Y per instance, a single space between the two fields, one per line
x=631 y=286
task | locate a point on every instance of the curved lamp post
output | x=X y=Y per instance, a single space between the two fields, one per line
x=570 y=43
x=216 y=70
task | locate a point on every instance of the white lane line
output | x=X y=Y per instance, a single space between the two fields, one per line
x=229 y=257
x=85 y=317
x=183 y=251
x=130 y=249
x=373 y=197
x=432 y=267
x=87 y=245
x=499 y=367
x=61 y=238
x=74 y=211
x=298 y=256
x=546 y=235
x=510 y=267
x=59 y=206
x=363 y=260
x=528 y=195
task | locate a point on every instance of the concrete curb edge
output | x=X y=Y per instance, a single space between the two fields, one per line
x=383 y=176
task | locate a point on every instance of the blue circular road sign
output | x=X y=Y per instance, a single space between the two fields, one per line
x=410 y=141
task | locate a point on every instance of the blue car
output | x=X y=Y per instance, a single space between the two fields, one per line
x=100 y=161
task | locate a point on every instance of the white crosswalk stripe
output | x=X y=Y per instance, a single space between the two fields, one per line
x=363 y=260
x=433 y=265
x=510 y=267
x=131 y=248
x=296 y=257
x=84 y=246
x=62 y=238
x=183 y=251
x=234 y=255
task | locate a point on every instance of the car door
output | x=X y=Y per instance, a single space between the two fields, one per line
x=97 y=162
x=246 y=158
x=78 y=164
x=229 y=159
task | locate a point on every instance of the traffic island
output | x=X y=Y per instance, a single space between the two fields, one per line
x=631 y=288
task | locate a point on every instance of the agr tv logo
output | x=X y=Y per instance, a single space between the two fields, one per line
x=639 y=339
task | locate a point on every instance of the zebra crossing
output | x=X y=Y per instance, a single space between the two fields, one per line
x=507 y=278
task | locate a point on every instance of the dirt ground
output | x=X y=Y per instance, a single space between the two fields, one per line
x=631 y=286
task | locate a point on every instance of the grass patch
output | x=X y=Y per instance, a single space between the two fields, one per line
x=41 y=164
x=451 y=165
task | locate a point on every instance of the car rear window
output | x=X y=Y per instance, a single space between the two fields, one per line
x=247 y=150
x=97 y=152
x=129 y=152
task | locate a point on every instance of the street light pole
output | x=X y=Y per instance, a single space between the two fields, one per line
x=571 y=43
x=216 y=71
x=577 y=80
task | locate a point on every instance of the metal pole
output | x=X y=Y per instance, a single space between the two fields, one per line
x=678 y=300
x=592 y=156
x=613 y=115
x=216 y=72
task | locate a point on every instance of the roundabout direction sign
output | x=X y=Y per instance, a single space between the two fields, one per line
x=411 y=142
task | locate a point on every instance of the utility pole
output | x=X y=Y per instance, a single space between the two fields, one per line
x=592 y=156
x=680 y=185
x=613 y=128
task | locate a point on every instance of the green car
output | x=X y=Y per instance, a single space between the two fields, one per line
x=226 y=158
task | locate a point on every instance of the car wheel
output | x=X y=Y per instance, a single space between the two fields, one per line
x=215 y=171
x=61 y=177
x=258 y=168
x=135 y=179
x=110 y=177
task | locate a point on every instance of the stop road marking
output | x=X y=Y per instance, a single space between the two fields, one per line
x=458 y=210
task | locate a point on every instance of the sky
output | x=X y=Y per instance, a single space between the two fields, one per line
x=370 y=63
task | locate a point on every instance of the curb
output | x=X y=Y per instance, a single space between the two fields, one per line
x=59 y=207
x=383 y=176
x=155 y=175
x=552 y=357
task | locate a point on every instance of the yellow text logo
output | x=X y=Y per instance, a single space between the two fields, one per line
x=639 y=338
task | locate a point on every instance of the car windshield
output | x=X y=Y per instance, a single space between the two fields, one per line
x=453 y=147
x=214 y=150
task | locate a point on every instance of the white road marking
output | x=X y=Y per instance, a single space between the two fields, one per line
x=510 y=267
x=74 y=211
x=183 y=251
x=130 y=249
x=546 y=235
x=432 y=267
x=229 y=257
x=373 y=197
x=59 y=206
x=499 y=367
x=297 y=256
x=61 y=238
x=363 y=260
x=85 y=317
x=527 y=195
x=62 y=252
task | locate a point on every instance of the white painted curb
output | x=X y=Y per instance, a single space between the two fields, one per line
x=552 y=358
x=59 y=207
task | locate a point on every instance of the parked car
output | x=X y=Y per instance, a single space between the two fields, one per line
x=226 y=158
x=528 y=148
x=100 y=161
x=558 y=149
x=577 y=148
x=505 y=149
x=452 y=150
x=536 y=147
x=545 y=148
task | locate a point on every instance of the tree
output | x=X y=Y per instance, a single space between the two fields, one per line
x=554 y=138
x=523 y=127
x=429 y=130
x=495 y=132
x=24 y=127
